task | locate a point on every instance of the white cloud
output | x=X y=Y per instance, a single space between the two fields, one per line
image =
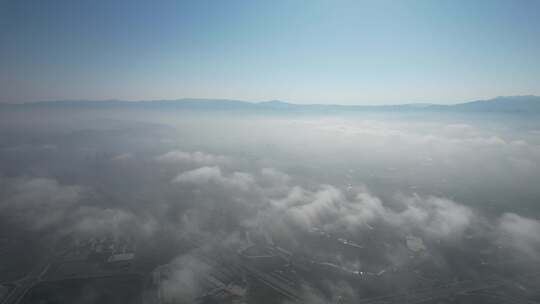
x=214 y=175
x=39 y=202
x=183 y=279
x=521 y=233
x=437 y=217
x=330 y=209
x=191 y=158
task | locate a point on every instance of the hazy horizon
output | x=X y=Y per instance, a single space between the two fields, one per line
x=274 y=100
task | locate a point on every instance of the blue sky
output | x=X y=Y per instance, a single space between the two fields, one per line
x=347 y=52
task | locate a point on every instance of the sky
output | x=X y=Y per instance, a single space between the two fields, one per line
x=316 y=51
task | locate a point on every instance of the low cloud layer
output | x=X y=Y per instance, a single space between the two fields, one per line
x=365 y=196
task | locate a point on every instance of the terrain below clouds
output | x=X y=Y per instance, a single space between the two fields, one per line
x=276 y=207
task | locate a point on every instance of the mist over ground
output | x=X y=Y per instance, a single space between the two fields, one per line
x=362 y=196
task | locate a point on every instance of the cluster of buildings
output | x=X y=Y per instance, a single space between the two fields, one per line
x=106 y=248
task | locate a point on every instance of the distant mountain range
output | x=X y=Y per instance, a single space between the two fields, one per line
x=503 y=104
